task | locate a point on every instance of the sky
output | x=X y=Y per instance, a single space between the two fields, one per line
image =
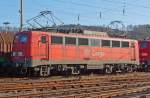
x=128 y=11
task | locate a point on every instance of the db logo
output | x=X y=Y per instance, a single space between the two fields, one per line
x=87 y=52
x=98 y=53
x=144 y=54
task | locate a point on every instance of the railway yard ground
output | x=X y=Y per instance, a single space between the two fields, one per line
x=131 y=85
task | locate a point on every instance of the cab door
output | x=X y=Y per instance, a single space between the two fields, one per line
x=133 y=51
x=44 y=47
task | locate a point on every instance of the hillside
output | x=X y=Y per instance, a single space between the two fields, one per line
x=139 y=32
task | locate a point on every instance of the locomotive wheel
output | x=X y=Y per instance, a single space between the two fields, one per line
x=24 y=71
x=108 y=70
x=129 y=69
x=44 y=71
x=75 y=71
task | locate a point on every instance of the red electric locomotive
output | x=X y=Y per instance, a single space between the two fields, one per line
x=46 y=53
x=144 y=54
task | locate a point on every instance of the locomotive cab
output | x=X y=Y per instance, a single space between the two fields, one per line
x=144 y=56
x=30 y=50
x=20 y=53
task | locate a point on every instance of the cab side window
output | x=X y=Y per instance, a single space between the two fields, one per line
x=43 y=39
x=143 y=45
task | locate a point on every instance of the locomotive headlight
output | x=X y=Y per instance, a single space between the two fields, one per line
x=20 y=53
x=14 y=54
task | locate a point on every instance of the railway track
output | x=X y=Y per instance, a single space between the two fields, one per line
x=92 y=87
x=117 y=77
x=91 y=91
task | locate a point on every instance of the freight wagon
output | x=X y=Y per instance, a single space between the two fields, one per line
x=6 y=42
x=47 y=53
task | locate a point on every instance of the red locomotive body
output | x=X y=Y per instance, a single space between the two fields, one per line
x=49 y=52
x=144 y=54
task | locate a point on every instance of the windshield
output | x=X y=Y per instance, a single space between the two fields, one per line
x=143 y=45
x=23 y=38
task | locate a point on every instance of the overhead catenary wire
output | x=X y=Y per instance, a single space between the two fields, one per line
x=112 y=2
x=73 y=14
x=105 y=10
x=129 y=4
x=98 y=7
x=91 y=18
x=95 y=9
